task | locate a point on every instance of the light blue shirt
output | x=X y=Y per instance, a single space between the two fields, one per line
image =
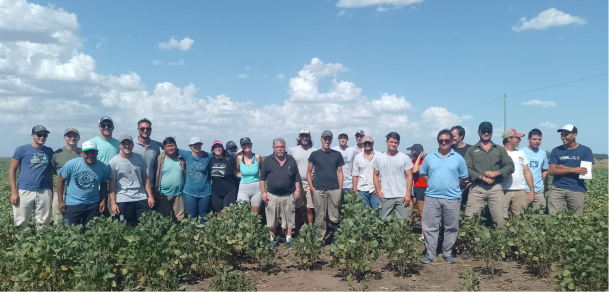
x=538 y=163
x=106 y=150
x=172 y=183
x=83 y=181
x=444 y=174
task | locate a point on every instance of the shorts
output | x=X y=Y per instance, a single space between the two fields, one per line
x=250 y=193
x=305 y=199
x=132 y=211
x=80 y=214
x=221 y=200
x=419 y=193
x=171 y=206
x=280 y=206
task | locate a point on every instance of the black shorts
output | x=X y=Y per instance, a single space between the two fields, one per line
x=132 y=211
x=223 y=199
x=80 y=214
x=419 y=193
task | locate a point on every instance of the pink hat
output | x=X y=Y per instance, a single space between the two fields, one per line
x=216 y=143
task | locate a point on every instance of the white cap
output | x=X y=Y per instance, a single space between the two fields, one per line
x=89 y=145
x=194 y=140
x=344 y=133
x=569 y=128
x=305 y=131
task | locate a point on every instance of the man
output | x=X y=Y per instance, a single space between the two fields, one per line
x=348 y=154
x=300 y=153
x=327 y=184
x=130 y=189
x=34 y=191
x=515 y=194
x=359 y=138
x=170 y=180
x=231 y=149
x=281 y=177
x=106 y=145
x=60 y=157
x=488 y=164
x=393 y=180
x=565 y=165
x=419 y=185
x=148 y=148
x=363 y=172
x=458 y=134
x=442 y=170
x=87 y=183
x=538 y=164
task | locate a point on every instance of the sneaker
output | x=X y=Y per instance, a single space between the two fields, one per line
x=426 y=259
x=289 y=245
x=450 y=259
x=272 y=244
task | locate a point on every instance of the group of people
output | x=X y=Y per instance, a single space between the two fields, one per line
x=126 y=177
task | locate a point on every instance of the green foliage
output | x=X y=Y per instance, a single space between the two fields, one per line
x=471 y=281
x=228 y=280
x=402 y=245
x=307 y=249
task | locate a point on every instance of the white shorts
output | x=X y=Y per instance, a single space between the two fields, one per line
x=250 y=193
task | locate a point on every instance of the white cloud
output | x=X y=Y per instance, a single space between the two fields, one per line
x=548 y=18
x=281 y=76
x=539 y=103
x=382 y=9
x=247 y=68
x=341 y=13
x=103 y=41
x=548 y=125
x=366 y=3
x=169 y=63
x=183 y=45
x=242 y=76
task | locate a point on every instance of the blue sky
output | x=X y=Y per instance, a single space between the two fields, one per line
x=440 y=57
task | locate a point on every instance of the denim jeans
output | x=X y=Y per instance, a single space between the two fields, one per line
x=370 y=200
x=196 y=207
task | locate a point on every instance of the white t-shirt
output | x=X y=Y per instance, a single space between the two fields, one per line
x=392 y=173
x=516 y=181
x=302 y=160
x=348 y=156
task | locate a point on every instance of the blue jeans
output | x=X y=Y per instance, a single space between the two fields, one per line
x=370 y=200
x=196 y=207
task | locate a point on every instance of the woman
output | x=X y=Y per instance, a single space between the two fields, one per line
x=248 y=165
x=225 y=182
x=197 y=188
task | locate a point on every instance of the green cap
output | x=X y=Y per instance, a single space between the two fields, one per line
x=327 y=133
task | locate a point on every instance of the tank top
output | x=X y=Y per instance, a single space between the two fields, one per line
x=249 y=173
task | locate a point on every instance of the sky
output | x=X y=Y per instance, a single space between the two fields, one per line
x=223 y=70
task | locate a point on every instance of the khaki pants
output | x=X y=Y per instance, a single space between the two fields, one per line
x=388 y=205
x=171 y=206
x=539 y=201
x=561 y=198
x=280 y=206
x=326 y=202
x=516 y=201
x=479 y=195
x=33 y=202
x=305 y=199
x=56 y=215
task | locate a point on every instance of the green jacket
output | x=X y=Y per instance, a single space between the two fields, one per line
x=496 y=159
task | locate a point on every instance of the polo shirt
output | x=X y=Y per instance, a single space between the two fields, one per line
x=444 y=174
x=280 y=179
x=496 y=159
x=150 y=154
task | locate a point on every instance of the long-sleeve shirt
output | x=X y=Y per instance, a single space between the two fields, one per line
x=496 y=159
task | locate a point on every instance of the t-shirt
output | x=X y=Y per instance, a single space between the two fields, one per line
x=538 y=163
x=570 y=158
x=35 y=167
x=392 y=173
x=150 y=154
x=61 y=156
x=223 y=175
x=461 y=150
x=516 y=181
x=416 y=178
x=172 y=181
x=302 y=159
x=198 y=181
x=444 y=174
x=128 y=175
x=83 y=181
x=348 y=156
x=326 y=166
x=106 y=150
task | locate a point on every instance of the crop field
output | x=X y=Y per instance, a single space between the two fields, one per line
x=231 y=252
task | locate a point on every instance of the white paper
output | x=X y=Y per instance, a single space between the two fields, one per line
x=588 y=166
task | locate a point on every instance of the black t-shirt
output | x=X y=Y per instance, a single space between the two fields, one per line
x=462 y=150
x=280 y=179
x=326 y=167
x=222 y=173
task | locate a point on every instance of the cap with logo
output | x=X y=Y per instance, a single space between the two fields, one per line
x=368 y=139
x=124 y=137
x=245 y=140
x=216 y=143
x=327 y=133
x=416 y=148
x=568 y=128
x=305 y=131
x=230 y=144
x=39 y=129
x=485 y=125
x=89 y=145
x=105 y=118
x=511 y=133
x=360 y=133
x=71 y=130
x=194 y=140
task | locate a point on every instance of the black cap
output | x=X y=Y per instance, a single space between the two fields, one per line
x=416 y=147
x=230 y=144
x=105 y=118
x=245 y=140
x=485 y=125
x=39 y=129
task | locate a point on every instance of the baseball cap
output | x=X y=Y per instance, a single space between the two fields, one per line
x=229 y=144
x=416 y=148
x=305 y=131
x=360 y=132
x=71 y=130
x=124 y=137
x=568 y=128
x=485 y=125
x=367 y=139
x=218 y=143
x=343 y=133
x=89 y=145
x=194 y=140
x=327 y=133
x=39 y=129
x=105 y=118
x=245 y=140
x=511 y=133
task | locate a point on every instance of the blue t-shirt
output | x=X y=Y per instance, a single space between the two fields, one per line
x=198 y=180
x=538 y=163
x=570 y=158
x=83 y=181
x=106 y=150
x=444 y=174
x=35 y=167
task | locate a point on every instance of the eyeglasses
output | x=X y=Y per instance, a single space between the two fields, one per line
x=143 y=129
x=444 y=141
x=367 y=143
x=109 y=126
x=486 y=131
x=44 y=135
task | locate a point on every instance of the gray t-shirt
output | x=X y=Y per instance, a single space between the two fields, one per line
x=150 y=154
x=391 y=173
x=348 y=156
x=302 y=160
x=128 y=175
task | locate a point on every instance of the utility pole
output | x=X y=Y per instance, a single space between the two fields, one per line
x=504 y=113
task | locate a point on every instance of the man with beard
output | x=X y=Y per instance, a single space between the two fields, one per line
x=301 y=154
x=148 y=148
x=348 y=154
x=359 y=139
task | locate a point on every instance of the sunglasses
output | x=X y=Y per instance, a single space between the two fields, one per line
x=90 y=152
x=303 y=135
x=143 y=129
x=109 y=126
x=486 y=131
x=444 y=141
x=44 y=135
x=367 y=143
x=72 y=136
x=359 y=136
